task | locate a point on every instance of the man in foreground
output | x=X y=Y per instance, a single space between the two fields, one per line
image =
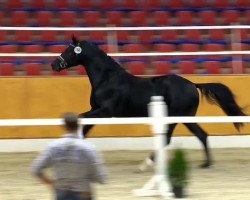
x=75 y=164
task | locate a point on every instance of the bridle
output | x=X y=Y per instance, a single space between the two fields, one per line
x=63 y=63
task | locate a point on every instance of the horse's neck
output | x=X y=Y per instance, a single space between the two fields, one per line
x=100 y=73
x=102 y=69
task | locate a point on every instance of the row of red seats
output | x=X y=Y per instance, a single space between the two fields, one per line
x=122 y=36
x=129 y=48
x=135 y=68
x=120 y=18
x=112 y=4
x=188 y=67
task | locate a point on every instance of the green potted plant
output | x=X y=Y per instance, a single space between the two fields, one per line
x=178 y=172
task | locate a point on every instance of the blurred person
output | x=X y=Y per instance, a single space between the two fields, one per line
x=75 y=164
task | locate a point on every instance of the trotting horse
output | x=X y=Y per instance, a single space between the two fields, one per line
x=116 y=93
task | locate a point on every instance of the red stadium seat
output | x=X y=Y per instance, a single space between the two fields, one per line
x=138 y=18
x=131 y=4
x=137 y=67
x=189 y=48
x=98 y=36
x=168 y=35
x=176 y=4
x=67 y=18
x=14 y=4
x=37 y=4
x=2 y=18
x=145 y=37
x=152 y=4
x=221 y=4
x=184 y=18
x=8 y=49
x=161 y=67
x=123 y=36
x=212 y=67
x=161 y=18
x=207 y=17
x=32 y=69
x=91 y=18
x=247 y=17
x=134 y=48
x=19 y=18
x=48 y=36
x=194 y=34
x=61 y=4
x=33 y=49
x=23 y=36
x=115 y=18
x=3 y=35
x=164 y=48
x=186 y=67
x=57 y=48
x=108 y=4
x=244 y=34
x=84 y=4
x=107 y=48
x=213 y=47
x=197 y=4
x=230 y=17
x=44 y=18
x=216 y=34
x=241 y=3
x=7 y=69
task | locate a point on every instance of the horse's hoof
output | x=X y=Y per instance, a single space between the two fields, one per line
x=205 y=165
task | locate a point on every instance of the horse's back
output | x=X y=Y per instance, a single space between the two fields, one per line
x=180 y=94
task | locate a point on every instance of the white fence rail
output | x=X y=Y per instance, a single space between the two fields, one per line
x=10 y=28
x=121 y=120
x=200 y=53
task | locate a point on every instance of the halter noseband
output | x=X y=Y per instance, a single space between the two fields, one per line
x=63 y=63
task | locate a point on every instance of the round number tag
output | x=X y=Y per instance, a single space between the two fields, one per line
x=77 y=50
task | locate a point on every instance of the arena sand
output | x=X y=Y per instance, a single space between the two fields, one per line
x=227 y=179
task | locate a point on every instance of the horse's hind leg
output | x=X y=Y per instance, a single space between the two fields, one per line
x=149 y=161
x=202 y=135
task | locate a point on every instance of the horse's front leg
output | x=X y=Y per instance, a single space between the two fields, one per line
x=86 y=128
x=98 y=113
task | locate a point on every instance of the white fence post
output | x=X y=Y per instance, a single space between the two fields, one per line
x=158 y=185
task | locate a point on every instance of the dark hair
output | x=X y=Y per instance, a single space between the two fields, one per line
x=71 y=121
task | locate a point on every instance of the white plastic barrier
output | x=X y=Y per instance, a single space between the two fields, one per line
x=158 y=185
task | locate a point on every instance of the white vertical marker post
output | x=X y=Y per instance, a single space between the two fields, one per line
x=158 y=185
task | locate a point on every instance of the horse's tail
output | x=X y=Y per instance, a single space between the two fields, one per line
x=222 y=96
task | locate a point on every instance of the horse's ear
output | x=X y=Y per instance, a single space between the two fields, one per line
x=74 y=40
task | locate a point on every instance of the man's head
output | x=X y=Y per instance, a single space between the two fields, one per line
x=71 y=121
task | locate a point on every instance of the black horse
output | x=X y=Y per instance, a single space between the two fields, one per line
x=116 y=93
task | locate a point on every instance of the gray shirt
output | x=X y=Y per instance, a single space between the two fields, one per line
x=75 y=164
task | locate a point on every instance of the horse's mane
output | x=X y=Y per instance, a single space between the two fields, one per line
x=108 y=60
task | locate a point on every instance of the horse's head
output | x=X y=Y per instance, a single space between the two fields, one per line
x=70 y=57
